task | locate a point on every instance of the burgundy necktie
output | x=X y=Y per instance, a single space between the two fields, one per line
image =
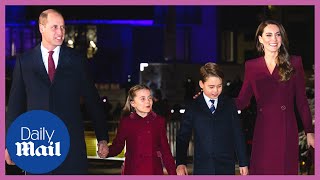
x=51 y=66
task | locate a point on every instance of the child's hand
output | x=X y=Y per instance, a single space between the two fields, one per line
x=244 y=170
x=182 y=170
x=103 y=149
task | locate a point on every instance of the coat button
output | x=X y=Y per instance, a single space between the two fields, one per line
x=283 y=107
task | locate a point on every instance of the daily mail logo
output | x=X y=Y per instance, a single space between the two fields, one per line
x=28 y=149
x=38 y=141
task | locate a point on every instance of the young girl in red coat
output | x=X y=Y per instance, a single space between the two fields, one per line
x=144 y=134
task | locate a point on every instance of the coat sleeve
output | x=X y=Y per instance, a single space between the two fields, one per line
x=301 y=98
x=119 y=141
x=183 y=137
x=93 y=103
x=17 y=103
x=239 y=138
x=168 y=160
x=246 y=92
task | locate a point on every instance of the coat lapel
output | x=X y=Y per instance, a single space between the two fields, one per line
x=263 y=65
x=64 y=61
x=38 y=65
x=275 y=73
x=39 y=68
x=203 y=105
x=221 y=102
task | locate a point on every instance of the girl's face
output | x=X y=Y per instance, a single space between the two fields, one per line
x=212 y=87
x=142 y=102
x=271 y=38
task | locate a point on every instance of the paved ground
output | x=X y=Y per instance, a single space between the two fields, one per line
x=96 y=167
x=113 y=167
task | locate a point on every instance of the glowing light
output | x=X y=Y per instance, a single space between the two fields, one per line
x=93 y=44
x=143 y=65
x=70 y=42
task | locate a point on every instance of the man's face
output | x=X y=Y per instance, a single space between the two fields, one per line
x=52 y=31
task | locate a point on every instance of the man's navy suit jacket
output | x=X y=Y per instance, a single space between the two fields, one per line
x=32 y=90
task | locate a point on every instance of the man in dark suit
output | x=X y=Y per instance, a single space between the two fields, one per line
x=57 y=86
x=217 y=132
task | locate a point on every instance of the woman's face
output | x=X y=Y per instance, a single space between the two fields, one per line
x=271 y=38
x=142 y=102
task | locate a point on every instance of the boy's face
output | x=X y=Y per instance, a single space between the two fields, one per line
x=212 y=87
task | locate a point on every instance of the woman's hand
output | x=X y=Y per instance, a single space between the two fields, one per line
x=310 y=139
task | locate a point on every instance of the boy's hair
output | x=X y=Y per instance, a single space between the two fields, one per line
x=210 y=70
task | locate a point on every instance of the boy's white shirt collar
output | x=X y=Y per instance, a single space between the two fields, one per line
x=207 y=100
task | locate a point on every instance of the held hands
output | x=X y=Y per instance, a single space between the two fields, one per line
x=310 y=139
x=103 y=149
x=182 y=170
x=244 y=170
x=7 y=158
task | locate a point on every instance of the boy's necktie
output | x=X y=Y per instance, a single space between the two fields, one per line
x=212 y=108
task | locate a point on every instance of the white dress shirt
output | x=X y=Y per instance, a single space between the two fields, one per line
x=209 y=103
x=45 y=55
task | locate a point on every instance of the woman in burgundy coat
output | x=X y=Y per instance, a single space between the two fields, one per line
x=144 y=133
x=276 y=80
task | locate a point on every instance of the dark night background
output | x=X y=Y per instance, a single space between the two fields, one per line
x=174 y=40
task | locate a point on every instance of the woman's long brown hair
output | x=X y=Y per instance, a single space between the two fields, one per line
x=285 y=68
